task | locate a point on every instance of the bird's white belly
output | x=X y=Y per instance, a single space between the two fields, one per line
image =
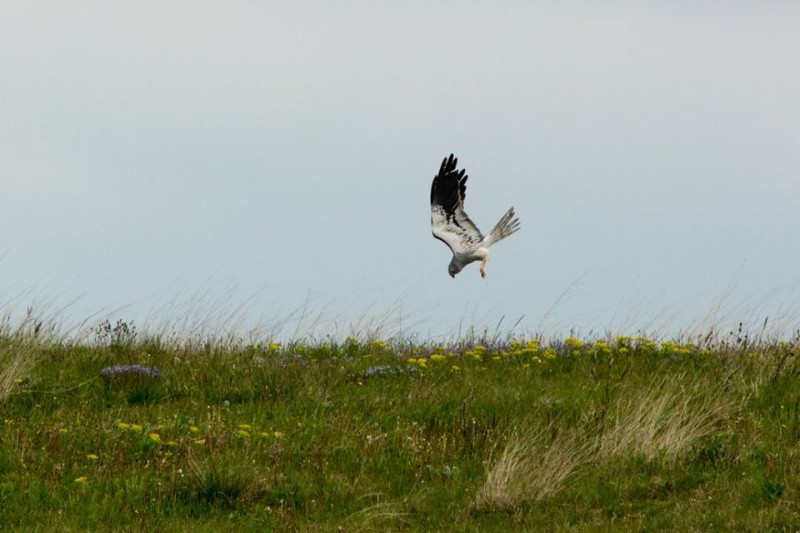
x=478 y=254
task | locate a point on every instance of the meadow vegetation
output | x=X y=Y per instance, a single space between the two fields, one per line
x=615 y=433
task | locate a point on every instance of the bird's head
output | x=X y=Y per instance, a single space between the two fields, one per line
x=453 y=269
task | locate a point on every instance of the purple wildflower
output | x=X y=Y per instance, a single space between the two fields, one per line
x=116 y=370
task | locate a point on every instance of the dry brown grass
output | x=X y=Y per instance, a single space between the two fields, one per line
x=381 y=516
x=660 y=422
x=529 y=469
x=665 y=419
x=16 y=363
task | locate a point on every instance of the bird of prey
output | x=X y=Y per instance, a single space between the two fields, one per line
x=451 y=225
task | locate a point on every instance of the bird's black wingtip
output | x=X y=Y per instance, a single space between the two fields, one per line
x=449 y=164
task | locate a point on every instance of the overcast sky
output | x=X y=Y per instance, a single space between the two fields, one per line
x=266 y=158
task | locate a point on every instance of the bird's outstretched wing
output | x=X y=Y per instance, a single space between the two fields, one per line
x=449 y=223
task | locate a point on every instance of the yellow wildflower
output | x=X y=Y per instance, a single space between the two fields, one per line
x=242 y=433
x=92 y=457
x=438 y=357
x=573 y=344
x=155 y=437
x=644 y=344
x=601 y=349
x=123 y=426
x=246 y=427
x=278 y=434
x=274 y=346
x=200 y=442
x=194 y=429
x=81 y=479
x=376 y=344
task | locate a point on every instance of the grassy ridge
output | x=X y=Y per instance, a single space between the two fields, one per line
x=620 y=434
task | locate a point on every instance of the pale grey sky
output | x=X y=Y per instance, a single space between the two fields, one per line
x=280 y=154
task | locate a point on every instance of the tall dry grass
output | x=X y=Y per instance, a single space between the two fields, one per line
x=528 y=468
x=661 y=422
x=664 y=419
x=19 y=347
x=16 y=363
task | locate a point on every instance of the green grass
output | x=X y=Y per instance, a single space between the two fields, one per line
x=603 y=435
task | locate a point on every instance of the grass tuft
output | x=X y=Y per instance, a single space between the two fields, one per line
x=529 y=468
x=665 y=418
x=17 y=361
x=380 y=516
x=210 y=485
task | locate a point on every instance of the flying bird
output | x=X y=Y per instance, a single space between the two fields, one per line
x=451 y=225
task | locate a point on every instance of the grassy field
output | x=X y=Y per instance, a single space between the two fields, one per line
x=607 y=434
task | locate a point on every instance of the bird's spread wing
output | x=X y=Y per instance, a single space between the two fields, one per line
x=449 y=223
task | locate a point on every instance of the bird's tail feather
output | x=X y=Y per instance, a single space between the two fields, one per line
x=505 y=227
